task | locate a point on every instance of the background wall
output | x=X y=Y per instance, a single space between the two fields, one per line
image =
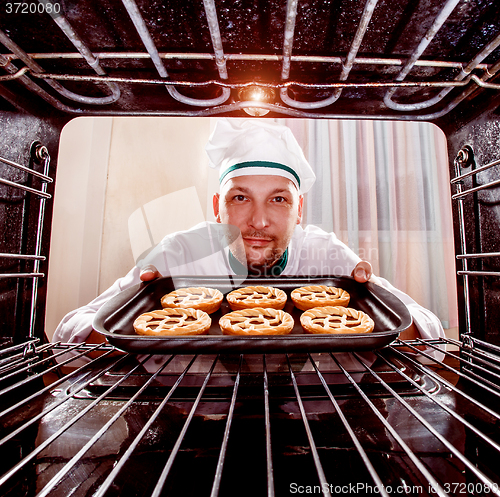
x=79 y=198
x=118 y=177
x=150 y=160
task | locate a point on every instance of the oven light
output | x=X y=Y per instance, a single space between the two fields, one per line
x=256 y=93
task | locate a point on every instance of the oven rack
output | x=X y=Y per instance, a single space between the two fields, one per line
x=464 y=159
x=469 y=76
x=402 y=418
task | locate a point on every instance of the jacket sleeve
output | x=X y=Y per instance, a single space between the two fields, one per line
x=426 y=322
x=324 y=253
x=76 y=326
x=174 y=249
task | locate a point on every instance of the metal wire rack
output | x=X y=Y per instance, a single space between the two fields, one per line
x=465 y=160
x=89 y=420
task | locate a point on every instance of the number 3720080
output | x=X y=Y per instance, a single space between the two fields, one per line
x=32 y=8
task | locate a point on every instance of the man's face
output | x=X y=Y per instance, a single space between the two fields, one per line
x=265 y=209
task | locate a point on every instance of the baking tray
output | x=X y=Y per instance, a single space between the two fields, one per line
x=115 y=319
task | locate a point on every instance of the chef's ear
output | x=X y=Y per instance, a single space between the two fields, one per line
x=216 y=206
x=301 y=204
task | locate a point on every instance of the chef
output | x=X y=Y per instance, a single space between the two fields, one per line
x=263 y=176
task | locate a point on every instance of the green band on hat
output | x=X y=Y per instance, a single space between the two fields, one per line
x=259 y=163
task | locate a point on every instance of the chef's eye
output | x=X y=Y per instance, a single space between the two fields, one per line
x=279 y=199
x=239 y=198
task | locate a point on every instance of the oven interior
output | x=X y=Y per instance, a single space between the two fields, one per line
x=397 y=420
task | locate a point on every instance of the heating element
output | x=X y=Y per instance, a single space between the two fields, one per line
x=377 y=60
x=387 y=423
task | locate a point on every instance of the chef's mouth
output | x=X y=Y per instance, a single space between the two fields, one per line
x=257 y=242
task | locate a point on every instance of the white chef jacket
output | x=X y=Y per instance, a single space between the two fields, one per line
x=199 y=252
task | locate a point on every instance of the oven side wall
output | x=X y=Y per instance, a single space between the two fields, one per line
x=19 y=219
x=481 y=225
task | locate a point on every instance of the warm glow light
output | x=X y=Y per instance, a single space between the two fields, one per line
x=256 y=93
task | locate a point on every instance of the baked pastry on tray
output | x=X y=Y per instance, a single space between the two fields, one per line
x=256 y=296
x=307 y=297
x=336 y=320
x=204 y=299
x=173 y=322
x=256 y=321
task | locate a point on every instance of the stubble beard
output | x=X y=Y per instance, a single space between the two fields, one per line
x=266 y=258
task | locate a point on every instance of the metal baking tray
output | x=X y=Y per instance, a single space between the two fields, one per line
x=115 y=319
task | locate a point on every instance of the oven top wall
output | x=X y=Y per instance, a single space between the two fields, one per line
x=375 y=59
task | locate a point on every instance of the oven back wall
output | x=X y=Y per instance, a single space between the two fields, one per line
x=125 y=183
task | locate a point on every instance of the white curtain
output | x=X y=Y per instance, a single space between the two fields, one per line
x=383 y=188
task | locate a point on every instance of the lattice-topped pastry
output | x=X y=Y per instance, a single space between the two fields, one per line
x=256 y=296
x=256 y=321
x=308 y=297
x=204 y=299
x=336 y=320
x=172 y=322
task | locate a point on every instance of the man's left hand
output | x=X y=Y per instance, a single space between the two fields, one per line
x=363 y=272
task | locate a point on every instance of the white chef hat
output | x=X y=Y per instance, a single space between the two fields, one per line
x=241 y=147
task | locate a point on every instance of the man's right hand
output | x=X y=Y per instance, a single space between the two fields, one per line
x=149 y=273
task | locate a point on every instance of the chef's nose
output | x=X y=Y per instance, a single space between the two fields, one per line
x=259 y=218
